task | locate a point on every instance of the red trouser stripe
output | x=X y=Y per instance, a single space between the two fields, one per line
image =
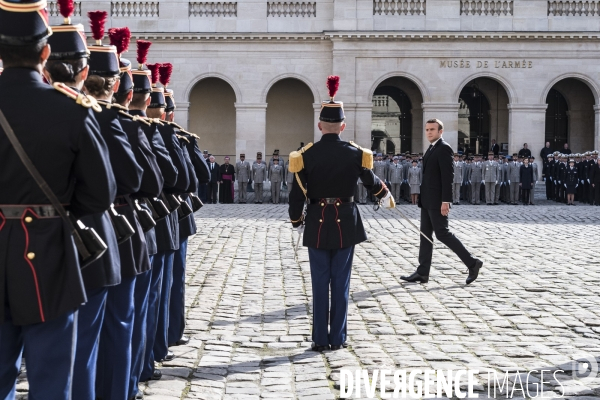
x=320 y=226
x=28 y=261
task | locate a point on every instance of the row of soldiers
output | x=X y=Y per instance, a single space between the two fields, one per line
x=102 y=137
x=497 y=179
x=402 y=173
x=556 y=170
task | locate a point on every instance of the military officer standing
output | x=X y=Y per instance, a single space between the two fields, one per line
x=333 y=223
x=396 y=177
x=259 y=176
x=40 y=280
x=514 y=178
x=458 y=167
x=490 y=178
x=242 y=174
x=476 y=179
x=276 y=179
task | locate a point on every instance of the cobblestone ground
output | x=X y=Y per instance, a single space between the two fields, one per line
x=536 y=303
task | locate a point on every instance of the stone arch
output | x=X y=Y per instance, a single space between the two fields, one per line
x=422 y=88
x=512 y=94
x=231 y=82
x=303 y=79
x=581 y=77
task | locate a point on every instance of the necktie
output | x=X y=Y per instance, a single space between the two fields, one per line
x=429 y=148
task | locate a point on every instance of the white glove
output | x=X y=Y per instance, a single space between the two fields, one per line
x=577 y=185
x=582 y=181
x=496 y=182
x=482 y=182
x=300 y=229
x=509 y=182
x=588 y=181
x=565 y=185
x=387 y=201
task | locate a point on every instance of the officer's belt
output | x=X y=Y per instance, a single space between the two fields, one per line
x=332 y=200
x=120 y=201
x=10 y=211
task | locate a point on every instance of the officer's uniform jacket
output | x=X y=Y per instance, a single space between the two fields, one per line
x=259 y=172
x=187 y=225
x=39 y=268
x=380 y=169
x=242 y=171
x=466 y=172
x=536 y=174
x=330 y=169
x=396 y=173
x=415 y=176
x=476 y=172
x=490 y=171
x=108 y=270
x=514 y=172
x=458 y=171
x=276 y=173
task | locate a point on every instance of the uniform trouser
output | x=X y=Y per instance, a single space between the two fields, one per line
x=475 y=188
x=549 y=189
x=497 y=192
x=330 y=268
x=557 y=187
x=177 y=304
x=396 y=190
x=202 y=189
x=138 y=337
x=362 y=193
x=490 y=192
x=514 y=192
x=114 y=358
x=468 y=192
x=242 y=191
x=275 y=190
x=258 y=189
x=456 y=192
x=597 y=194
x=433 y=221
x=49 y=348
x=161 y=343
x=154 y=293
x=532 y=193
x=526 y=193
x=89 y=325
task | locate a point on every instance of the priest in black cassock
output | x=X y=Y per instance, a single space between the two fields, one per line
x=227 y=178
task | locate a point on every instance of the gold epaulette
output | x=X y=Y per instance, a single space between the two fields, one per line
x=182 y=138
x=367 y=156
x=296 y=160
x=174 y=124
x=80 y=98
x=135 y=117
x=156 y=121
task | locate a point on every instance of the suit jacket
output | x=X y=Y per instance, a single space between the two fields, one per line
x=215 y=173
x=438 y=175
x=495 y=149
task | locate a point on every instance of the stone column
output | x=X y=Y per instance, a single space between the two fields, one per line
x=448 y=114
x=250 y=129
x=362 y=123
x=596 y=127
x=526 y=124
x=182 y=114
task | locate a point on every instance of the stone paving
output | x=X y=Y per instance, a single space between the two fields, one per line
x=536 y=303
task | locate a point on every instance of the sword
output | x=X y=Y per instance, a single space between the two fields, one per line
x=376 y=208
x=297 y=246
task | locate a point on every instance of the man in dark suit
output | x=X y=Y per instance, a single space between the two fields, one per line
x=213 y=183
x=495 y=148
x=435 y=199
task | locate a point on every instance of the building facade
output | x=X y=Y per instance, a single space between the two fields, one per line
x=250 y=74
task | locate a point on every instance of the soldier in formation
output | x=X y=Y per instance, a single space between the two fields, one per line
x=128 y=171
x=243 y=172
x=259 y=176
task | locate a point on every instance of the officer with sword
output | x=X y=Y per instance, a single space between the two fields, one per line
x=325 y=177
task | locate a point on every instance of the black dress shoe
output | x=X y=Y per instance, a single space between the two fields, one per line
x=316 y=347
x=156 y=375
x=338 y=347
x=170 y=355
x=474 y=271
x=182 y=342
x=415 y=277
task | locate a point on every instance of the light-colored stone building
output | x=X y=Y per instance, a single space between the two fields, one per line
x=250 y=74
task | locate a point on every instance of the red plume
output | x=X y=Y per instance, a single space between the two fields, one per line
x=120 y=38
x=166 y=69
x=142 y=51
x=66 y=8
x=154 y=71
x=97 y=21
x=333 y=84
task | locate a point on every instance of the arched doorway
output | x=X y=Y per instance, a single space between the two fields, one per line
x=570 y=116
x=290 y=116
x=212 y=117
x=396 y=119
x=482 y=116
